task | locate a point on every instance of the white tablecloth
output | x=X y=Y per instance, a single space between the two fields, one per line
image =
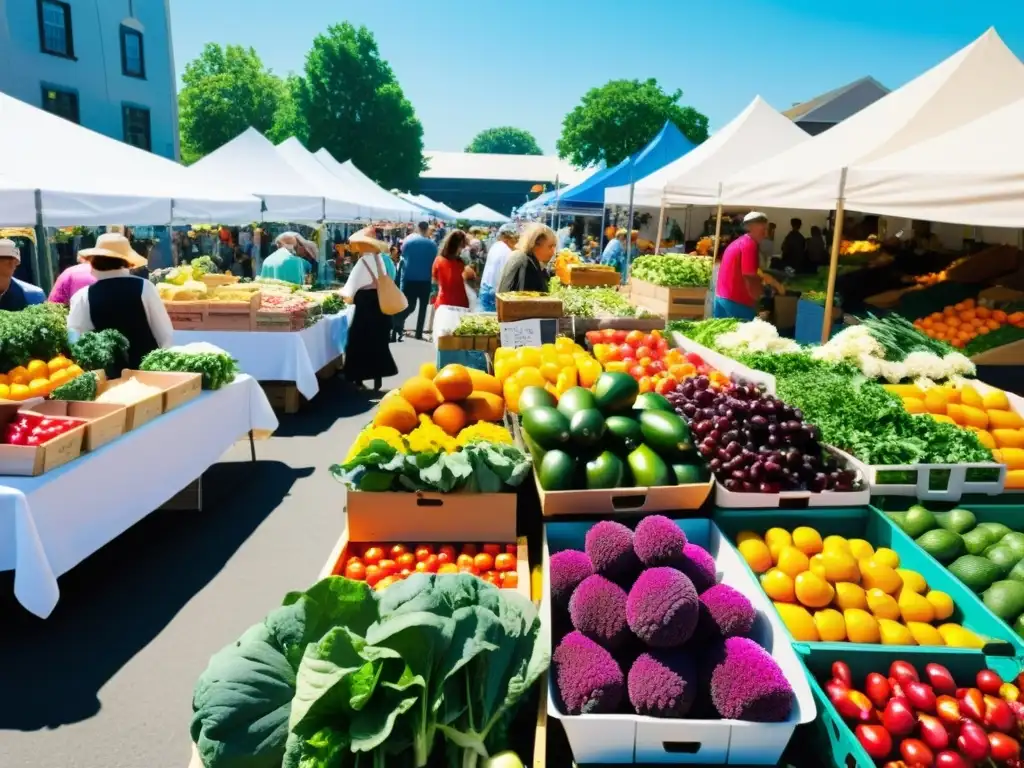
x=281 y=356
x=50 y=523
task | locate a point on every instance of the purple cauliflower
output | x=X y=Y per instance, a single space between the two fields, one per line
x=567 y=568
x=725 y=612
x=699 y=565
x=662 y=684
x=598 y=610
x=610 y=547
x=658 y=541
x=589 y=680
x=662 y=608
x=747 y=684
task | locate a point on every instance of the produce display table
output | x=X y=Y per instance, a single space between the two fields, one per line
x=279 y=355
x=50 y=523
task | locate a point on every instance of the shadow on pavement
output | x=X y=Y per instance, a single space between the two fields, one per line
x=314 y=418
x=119 y=599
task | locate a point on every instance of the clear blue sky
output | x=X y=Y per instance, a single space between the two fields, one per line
x=467 y=65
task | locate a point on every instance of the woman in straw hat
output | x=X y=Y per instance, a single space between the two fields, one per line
x=367 y=356
x=119 y=301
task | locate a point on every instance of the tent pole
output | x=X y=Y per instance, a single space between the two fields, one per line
x=718 y=227
x=42 y=267
x=837 y=236
x=661 y=226
x=629 y=223
x=604 y=215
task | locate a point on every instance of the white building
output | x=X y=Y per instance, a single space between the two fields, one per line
x=105 y=64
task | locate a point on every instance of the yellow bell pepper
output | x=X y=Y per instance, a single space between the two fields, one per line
x=567 y=379
x=589 y=369
x=615 y=366
x=563 y=344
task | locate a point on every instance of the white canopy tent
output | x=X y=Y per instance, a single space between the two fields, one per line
x=481 y=214
x=444 y=212
x=971 y=175
x=976 y=80
x=251 y=162
x=388 y=206
x=85 y=178
x=758 y=132
x=342 y=201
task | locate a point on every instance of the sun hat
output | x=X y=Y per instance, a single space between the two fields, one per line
x=753 y=216
x=8 y=250
x=508 y=229
x=368 y=236
x=116 y=246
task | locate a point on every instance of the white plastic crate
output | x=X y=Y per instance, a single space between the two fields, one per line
x=725 y=364
x=951 y=480
x=627 y=739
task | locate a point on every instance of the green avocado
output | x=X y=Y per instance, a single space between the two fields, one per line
x=574 y=400
x=535 y=397
x=917 y=521
x=666 y=433
x=688 y=474
x=998 y=529
x=1015 y=541
x=556 y=471
x=1005 y=599
x=977 y=573
x=622 y=434
x=1017 y=572
x=978 y=540
x=615 y=392
x=648 y=468
x=1003 y=557
x=605 y=471
x=945 y=546
x=548 y=428
x=586 y=427
x=652 y=401
x=956 y=520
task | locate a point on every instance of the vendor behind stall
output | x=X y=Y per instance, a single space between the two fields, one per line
x=118 y=300
x=525 y=269
x=284 y=263
x=15 y=294
x=738 y=287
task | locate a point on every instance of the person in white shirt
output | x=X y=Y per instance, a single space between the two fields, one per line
x=496 y=258
x=368 y=356
x=120 y=301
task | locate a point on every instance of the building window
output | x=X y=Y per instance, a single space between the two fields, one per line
x=133 y=62
x=61 y=103
x=136 y=127
x=55 y=28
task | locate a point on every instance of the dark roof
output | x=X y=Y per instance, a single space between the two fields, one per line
x=837 y=105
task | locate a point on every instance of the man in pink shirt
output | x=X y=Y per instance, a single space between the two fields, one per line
x=70 y=282
x=739 y=287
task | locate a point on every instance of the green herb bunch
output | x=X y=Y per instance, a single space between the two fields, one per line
x=674 y=270
x=332 y=304
x=101 y=351
x=81 y=389
x=38 y=332
x=582 y=301
x=477 y=325
x=218 y=369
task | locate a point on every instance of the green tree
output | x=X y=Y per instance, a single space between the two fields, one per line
x=356 y=109
x=622 y=116
x=226 y=90
x=504 y=140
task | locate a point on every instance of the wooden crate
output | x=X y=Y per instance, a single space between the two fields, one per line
x=104 y=422
x=269 y=320
x=178 y=388
x=593 y=277
x=186 y=315
x=29 y=461
x=142 y=411
x=516 y=308
x=1008 y=354
x=283 y=396
x=671 y=303
x=467 y=343
x=232 y=315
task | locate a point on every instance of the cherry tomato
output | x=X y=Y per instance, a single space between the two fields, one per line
x=443 y=557
x=464 y=561
x=638 y=372
x=396 y=550
x=666 y=385
x=423 y=551
x=620 y=336
x=644 y=351
x=492 y=549
x=510 y=580
x=492 y=577
x=373 y=555
x=447 y=568
x=449 y=553
x=355 y=571
x=421 y=567
x=388 y=567
x=483 y=562
x=626 y=351
x=405 y=573
x=354 y=559
x=470 y=549
x=657 y=366
x=406 y=560
x=33 y=440
x=432 y=563
x=505 y=562
x=635 y=338
x=373 y=574
x=512 y=549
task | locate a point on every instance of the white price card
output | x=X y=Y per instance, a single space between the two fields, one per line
x=521 y=333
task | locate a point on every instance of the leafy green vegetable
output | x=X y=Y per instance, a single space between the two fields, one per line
x=1003 y=335
x=332 y=304
x=101 y=351
x=674 y=270
x=82 y=388
x=477 y=325
x=899 y=337
x=38 y=332
x=217 y=369
x=704 y=332
x=204 y=265
x=582 y=301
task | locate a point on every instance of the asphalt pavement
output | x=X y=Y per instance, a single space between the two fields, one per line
x=106 y=681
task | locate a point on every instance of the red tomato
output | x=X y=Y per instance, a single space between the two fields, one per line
x=432 y=563
x=637 y=372
x=469 y=569
x=355 y=571
x=406 y=560
x=373 y=555
x=644 y=351
x=492 y=577
x=470 y=549
x=443 y=557
x=354 y=559
x=398 y=549
x=510 y=580
x=483 y=562
x=512 y=549
x=505 y=562
x=448 y=568
x=373 y=574
x=694 y=359
x=421 y=567
x=423 y=551
x=492 y=549
x=626 y=351
x=650 y=340
x=388 y=567
x=405 y=573
x=666 y=385
x=449 y=550
x=608 y=334
x=464 y=561
x=595 y=337
x=619 y=336
x=635 y=338
x=656 y=366
x=662 y=346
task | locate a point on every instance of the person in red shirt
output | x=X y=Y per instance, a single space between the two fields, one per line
x=739 y=287
x=447 y=271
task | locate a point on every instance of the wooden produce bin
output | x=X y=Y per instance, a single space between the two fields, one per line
x=468 y=343
x=178 y=388
x=432 y=517
x=142 y=411
x=29 y=461
x=512 y=308
x=592 y=278
x=671 y=303
x=624 y=501
x=186 y=315
x=232 y=315
x=104 y=422
x=270 y=320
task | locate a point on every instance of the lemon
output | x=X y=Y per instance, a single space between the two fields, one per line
x=886 y=556
x=746 y=536
x=893 y=633
x=881 y=605
x=860 y=549
x=956 y=636
x=996 y=400
x=807 y=540
x=779 y=586
x=836 y=542
x=777 y=539
x=793 y=562
x=913 y=607
x=941 y=603
x=756 y=553
x=925 y=634
x=969 y=396
x=38 y=369
x=849 y=595
x=798 y=621
x=840 y=566
x=912 y=580
x=813 y=591
x=874 y=575
x=830 y=625
x=861 y=626
x=5 y=392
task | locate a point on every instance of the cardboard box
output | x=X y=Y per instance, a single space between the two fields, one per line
x=178 y=388
x=104 y=422
x=431 y=517
x=141 y=411
x=512 y=308
x=671 y=303
x=29 y=461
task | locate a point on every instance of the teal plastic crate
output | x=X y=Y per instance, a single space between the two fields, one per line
x=845 y=751
x=1010 y=515
x=871 y=525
